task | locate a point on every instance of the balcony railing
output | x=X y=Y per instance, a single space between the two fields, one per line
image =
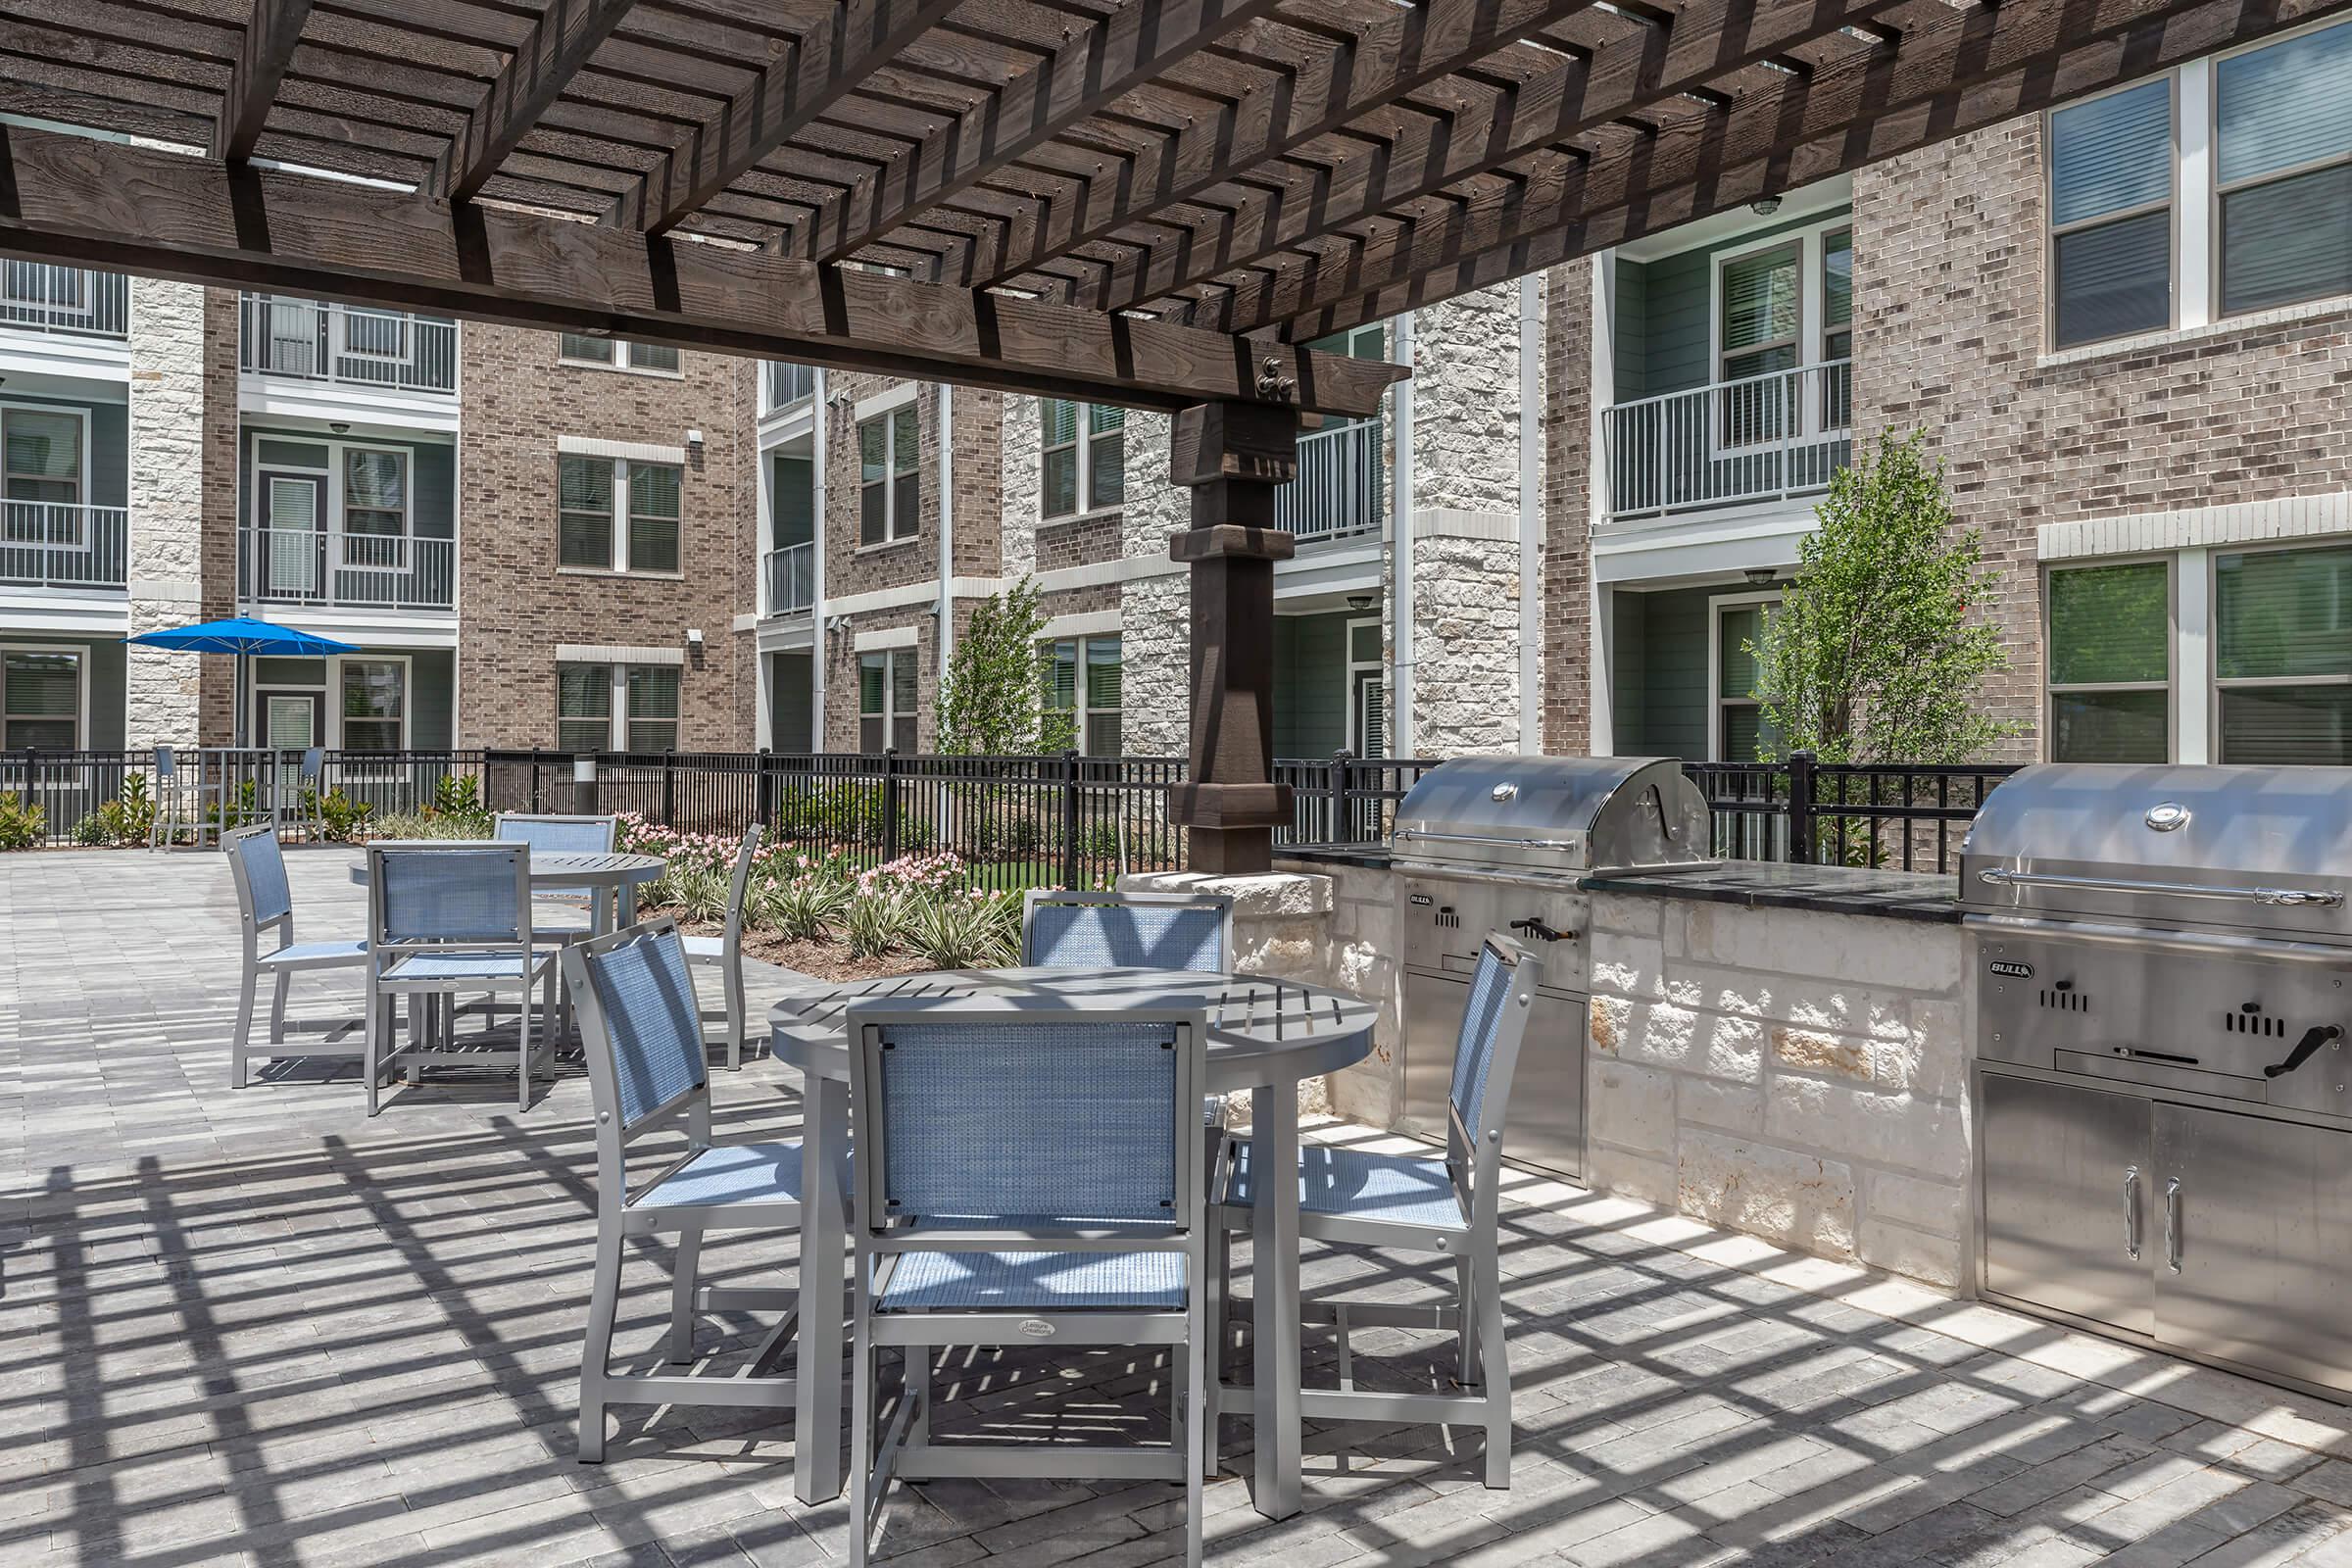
x=360 y=571
x=52 y=546
x=784 y=384
x=1342 y=487
x=1764 y=438
x=307 y=340
x=791 y=578
x=37 y=297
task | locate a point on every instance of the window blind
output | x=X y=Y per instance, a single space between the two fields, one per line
x=2283 y=106
x=2110 y=624
x=2112 y=154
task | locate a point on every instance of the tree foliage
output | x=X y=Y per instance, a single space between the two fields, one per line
x=1870 y=657
x=993 y=701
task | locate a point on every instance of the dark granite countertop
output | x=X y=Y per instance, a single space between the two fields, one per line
x=1371 y=856
x=1823 y=889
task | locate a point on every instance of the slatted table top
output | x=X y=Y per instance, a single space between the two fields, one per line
x=1260 y=1031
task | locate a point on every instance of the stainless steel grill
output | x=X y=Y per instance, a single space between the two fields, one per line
x=1498 y=843
x=2164 y=1094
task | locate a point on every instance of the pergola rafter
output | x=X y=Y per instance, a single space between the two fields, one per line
x=557 y=49
x=268 y=49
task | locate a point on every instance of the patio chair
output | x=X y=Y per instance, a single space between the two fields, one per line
x=647 y=1071
x=725 y=953
x=182 y=802
x=448 y=918
x=1070 y=929
x=265 y=905
x=977 y=1126
x=562 y=835
x=1065 y=929
x=308 y=805
x=1412 y=1202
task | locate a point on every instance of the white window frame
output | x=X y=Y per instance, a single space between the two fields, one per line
x=1354 y=666
x=2176 y=200
x=2199 y=84
x=2176 y=679
x=81 y=688
x=339 y=510
x=623 y=360
x=336 y=474
x=890 y=715
x=1717 y=604
x=892 y=531
x=1081 y=446
x=1812 y=253
x=617 y=725
x=620 y=563
x=1081 y=711
x=2211 y=672
x=81 y=481
x=330 y=689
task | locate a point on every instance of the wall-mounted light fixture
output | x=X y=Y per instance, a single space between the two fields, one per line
x=1759 y=576
x=1359 y=603
x=339 y=427
x=693 y=638
x=694 y=438
x=1765 y=205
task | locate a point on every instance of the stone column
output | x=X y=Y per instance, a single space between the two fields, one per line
x=164 y=697
x=1155 y=660
x=1231 y=456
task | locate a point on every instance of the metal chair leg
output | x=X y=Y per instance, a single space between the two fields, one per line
x=277 y=1008
x=603 y=1302
x=1465 y=1327
x=862 y=1446
x=523 y=1053
x=734 y=984
x=242 y=1041
x=681 y=1294
x=1495 y=1366
x=1196 y=1419
x=379 y=1008
x=1220 y=1264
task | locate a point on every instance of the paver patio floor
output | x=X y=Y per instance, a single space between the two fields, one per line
x=255 y=1326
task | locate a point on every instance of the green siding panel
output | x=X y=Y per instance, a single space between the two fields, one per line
x=793 y=501
x=1659 y=672
x=1310 y=684
x=432 y=698
x=791 y=710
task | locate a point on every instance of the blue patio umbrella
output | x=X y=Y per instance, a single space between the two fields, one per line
x=243 y=637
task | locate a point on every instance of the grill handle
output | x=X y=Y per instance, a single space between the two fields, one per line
x=2132 y=1212
x=2277 y=898
x=2172 y=1223
x=1488 y=839
x=2318 y=1035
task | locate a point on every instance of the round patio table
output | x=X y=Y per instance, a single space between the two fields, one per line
x=1264 y=1036
x=609 y=880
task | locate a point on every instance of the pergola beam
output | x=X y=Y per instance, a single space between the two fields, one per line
x=85 y=201
x=1640 y=72
x=1405 y=49
x=1101 y=64
x=810 y=77
x=262 y=55
x=555 y=51
x=1988 y=65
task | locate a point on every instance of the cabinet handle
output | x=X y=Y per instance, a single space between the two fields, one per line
x=2172 y=1223
x=2131 y=1211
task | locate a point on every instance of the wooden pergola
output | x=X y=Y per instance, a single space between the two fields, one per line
x=1142 y=202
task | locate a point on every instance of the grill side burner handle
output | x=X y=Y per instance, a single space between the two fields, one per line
x=1533 y=927
x=2318 y=1035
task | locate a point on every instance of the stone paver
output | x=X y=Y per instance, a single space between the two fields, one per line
x=257 y=1327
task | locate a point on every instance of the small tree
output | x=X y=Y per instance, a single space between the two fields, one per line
x=993 y=703
x=1870 y=657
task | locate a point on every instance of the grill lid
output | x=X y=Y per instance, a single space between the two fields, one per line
x=1567 y=815
x=2262 y=848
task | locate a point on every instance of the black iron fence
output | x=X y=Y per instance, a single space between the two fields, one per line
x=1068 y=819
x=1905 y=818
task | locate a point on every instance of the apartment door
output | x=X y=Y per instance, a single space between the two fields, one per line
x=289 y=533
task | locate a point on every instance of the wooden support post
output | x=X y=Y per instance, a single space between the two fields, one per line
x=1231 y=456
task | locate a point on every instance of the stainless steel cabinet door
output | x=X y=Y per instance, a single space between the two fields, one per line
x=2260 y=1228
x=1546 y=1117
x=1433 y=1019
x=2067 y=1187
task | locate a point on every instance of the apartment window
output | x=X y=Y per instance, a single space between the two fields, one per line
x=886 y=699
x=1084 y=457
x=1758 y=327
x=618 y=353
x=632 y=707
x=1741 y=732
x=2282 y=145
x=1083 y=681
x=40 y=698
x=2110 y=662
x=617 y=514
x=42 y=455
x=2283 y=656
x=1837 y=329
x=890 y=497
x=2111 y=215
x=375 y=507
x=374 y=704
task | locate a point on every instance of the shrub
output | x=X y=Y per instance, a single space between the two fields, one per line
x=876 y=922
x=462 y=798
x=429 y=825
x=806 y=909
x=965 y=930
x=341 y=817
x=703 y=893
x=126 y=819
x=20 y=826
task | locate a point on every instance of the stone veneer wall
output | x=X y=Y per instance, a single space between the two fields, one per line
x=1156 y=610
x=163 y=699
x=1799 y=1076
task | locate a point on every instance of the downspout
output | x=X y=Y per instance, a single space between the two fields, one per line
x=819 y=412
x=1401 y=556
x=947 y=533
x=1531 y=512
